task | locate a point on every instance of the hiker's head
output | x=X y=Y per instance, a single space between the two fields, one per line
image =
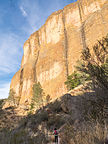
x=55 y=129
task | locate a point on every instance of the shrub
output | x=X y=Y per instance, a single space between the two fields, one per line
x=15 y=137
x=37 y=119
x=89 y=134
x=55 y=106
x=2 y=102
x=76 y=79
x=42 y=116
x=55 y=121
x=72 y=81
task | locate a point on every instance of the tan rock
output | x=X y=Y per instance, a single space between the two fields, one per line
x=51 y=53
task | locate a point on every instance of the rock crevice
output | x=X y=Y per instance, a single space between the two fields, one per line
x=65 y=45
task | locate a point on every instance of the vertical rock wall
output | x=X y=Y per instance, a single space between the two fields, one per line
x=51 y=53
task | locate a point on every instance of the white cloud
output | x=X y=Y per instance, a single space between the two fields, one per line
x=24 y=13
x=10 y=53
x=4 y=90
x=33 y=14
x=37 y=13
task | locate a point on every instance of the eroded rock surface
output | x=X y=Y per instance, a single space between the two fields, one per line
x=51 y=52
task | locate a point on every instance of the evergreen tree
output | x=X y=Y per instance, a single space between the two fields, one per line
x=76 y=79
x=38 y=95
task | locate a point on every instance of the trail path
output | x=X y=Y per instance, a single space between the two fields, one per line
x=54 y=142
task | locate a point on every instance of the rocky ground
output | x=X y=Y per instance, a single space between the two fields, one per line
x=67 y=113
x=9 y=118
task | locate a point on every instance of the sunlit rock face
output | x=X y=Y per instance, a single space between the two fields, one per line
x=51 y=53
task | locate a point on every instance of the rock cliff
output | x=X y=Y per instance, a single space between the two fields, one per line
x=51 y=52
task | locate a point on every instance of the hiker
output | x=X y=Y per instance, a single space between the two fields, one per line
x=56 y=135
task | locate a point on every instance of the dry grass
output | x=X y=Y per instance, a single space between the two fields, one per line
x=89 y=134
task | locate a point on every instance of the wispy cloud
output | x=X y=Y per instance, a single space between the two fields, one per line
x=4 y=90
x=37 y=12
x=24 y=13
x=10 y=53
x=33 y=14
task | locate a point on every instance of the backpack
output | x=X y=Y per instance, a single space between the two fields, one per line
x=55 y=132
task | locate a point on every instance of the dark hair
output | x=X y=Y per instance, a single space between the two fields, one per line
x=55 y=129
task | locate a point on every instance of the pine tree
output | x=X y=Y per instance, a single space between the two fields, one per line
x=38 y=95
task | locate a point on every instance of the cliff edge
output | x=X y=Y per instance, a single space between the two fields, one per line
x=51 y=52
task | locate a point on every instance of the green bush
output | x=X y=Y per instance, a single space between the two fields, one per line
x=76 y=79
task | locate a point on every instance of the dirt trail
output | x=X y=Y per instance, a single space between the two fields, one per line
x=54 y=142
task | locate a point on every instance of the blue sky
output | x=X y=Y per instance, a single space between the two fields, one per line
x=18 y=20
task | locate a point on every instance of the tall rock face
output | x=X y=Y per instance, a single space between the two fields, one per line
x=51 y=52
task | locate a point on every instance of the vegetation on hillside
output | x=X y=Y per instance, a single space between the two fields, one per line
x=2 y=102
x=95 y=62
x=13 y=98
x=38 y=128
x=39 y=98
x=75 y=79
x=92 y=66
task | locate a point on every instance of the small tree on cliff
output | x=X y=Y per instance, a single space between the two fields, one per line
x=38 y=95
x=76 y=79
x=11 y=96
